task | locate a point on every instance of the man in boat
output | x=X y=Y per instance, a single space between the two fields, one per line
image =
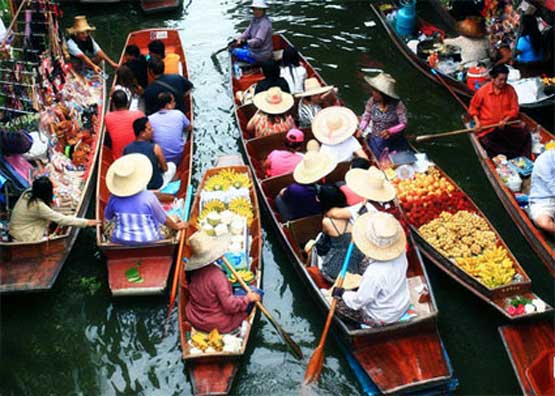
x=133 y=59
x=82 y=48
x=496 y=102
x=255 y=44
x=542 y=192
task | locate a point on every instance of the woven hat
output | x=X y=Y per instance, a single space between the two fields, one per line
x=314 y=166
x=313 y=87
x=205 y=249
x=379 y=236
x=80 y=24
x=129 y=175
x=370 y=184
x=334 y=125
x=273 y=101
x=472 y=27
x=384 y=83
x=259 y=4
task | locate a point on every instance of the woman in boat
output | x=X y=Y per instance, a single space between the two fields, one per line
x=255 y=44
x=211 y=303
x=127 y=82
x=32 y=213
x=299 y=199
x=273 y=115
x=385 y=116
x=270 y=69
x=529 y=46
x=292 y=71
x=136 y=211
x=280 y=162
x=334 y=128
x=542 y=192
x=383 y=295
x=311 y=99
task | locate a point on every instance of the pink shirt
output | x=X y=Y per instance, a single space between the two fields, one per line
x=211 y=301
x=352 y=198
x=281 y=162
x=119 y=125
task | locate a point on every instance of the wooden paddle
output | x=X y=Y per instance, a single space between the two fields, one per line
x=293 y=347
x=228 y=46
x=459 y=131
x=316 y=362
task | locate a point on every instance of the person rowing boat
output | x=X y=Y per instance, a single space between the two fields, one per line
x=255 y=44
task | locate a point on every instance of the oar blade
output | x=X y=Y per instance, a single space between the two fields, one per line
x=315 y=365
x=291 y=344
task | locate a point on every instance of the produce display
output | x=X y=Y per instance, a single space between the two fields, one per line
x=519 y=305
x=214 y=342
x=493 y=267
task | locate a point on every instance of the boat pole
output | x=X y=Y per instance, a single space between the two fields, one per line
x=453 y=93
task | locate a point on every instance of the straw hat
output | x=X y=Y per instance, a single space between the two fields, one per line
x=205 y=249
x=259 y=4
x=370 y=184
x=314 y=166
x=273 y=101
x=472 y=27
x=334 y=125
x=379 y=236
x=313 y=87
x=80 y=24
x=129 y=175
x=384 y=83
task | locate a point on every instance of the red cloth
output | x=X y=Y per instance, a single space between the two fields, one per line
x=352 y=198
x=491 y=108
x=119 y=125
x=211 y=301
x=281 y=162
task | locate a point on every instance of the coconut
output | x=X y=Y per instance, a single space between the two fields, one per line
x=539 y=304
x=226 y=216
x=213 y=218
x=220 y=229
x=237 y=226
x=529 y=308
x=208 y=229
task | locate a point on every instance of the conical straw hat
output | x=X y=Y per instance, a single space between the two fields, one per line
x=129 y=175
x=379 y=236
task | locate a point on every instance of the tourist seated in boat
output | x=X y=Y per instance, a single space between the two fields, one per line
x=176 y=84
x=133 y=59
x=299 y=199
x=127 y=82
x=136 y=211
x=310 y=102
x=272 y=78
x=292 y=70
x=162 y=171
x=352 y=198
x=383 y=295
x=280 y=162
x=119 y=123
x=169 y=128
x=472 y=40
x=497 y=102
x=529 y=46
x=273 y=114
x=384 y=117
x=33 y=213
x=255 y=44
x=542 y=192
x=83 y=49
x=172 y=62
x=334 y=128
x=211 y=303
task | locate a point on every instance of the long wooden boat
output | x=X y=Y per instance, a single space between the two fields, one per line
x=531 y=349
x=212 y=373
x=157 y=6
x=154 y=260
x=421 y=64
x=401 y=358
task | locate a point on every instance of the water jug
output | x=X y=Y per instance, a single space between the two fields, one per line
x=406 y=18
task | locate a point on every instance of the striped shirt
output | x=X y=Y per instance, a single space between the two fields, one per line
x=307 y=112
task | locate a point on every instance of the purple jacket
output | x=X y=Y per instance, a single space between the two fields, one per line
x=259 y=38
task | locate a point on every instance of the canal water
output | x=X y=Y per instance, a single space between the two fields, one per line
x=77 y=340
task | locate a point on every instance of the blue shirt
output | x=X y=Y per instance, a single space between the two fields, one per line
x=168 y=127
x=147 y=148
x=527 y=53
x=543 y=177
x=179 y=85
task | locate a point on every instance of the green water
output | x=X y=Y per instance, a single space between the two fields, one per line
x=78 y=340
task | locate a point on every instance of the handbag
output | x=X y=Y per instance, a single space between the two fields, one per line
x=15 y=142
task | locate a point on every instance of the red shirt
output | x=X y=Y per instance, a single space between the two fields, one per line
x=119 y=125
x=281 y=162
x=491 y=107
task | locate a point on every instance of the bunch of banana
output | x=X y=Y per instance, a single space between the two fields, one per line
x=243 y=207
x=199 y=340
x=215 y=340
x=214 y=205
x=493 y=268
x=246 y=275
x=548 y=80
x=217 y=183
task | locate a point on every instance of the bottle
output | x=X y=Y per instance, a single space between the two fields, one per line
x=237 y=70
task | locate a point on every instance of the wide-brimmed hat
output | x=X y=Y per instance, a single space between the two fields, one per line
x=334 y=125
x=80 y=24
x=313 y=87
x=472 y=27
x=314 y=166
x=259 y=4
x=129 y=175
x=205 y=249
x=379 y=236
x=273 y=101
x=384 y=83
x=370 y=184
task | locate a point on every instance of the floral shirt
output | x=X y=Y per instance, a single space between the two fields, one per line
x=263 y=126
x=379 y=120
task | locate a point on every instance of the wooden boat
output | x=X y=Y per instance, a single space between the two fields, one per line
x=375 y=352
x=421 y=64
x=154 y=261
x=213 y=373
x=531 y=349
x=157 y=6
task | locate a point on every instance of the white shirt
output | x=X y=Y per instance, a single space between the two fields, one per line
x=74 y=49
x=383 y=294
x=295 y=78
x=343 y=151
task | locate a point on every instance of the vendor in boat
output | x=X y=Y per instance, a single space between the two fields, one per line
x=292 y=70
x=542 y=192
x=211 y=303
x=334 y=128
x=273 y=114
x=33 y=212
x=255 y=44
x=280 y=162
x=472 y=40
x=136 y=211
x=384 y=117
x=311 y=99
x=82 y=48
x=497 y=102
x=299 y=199
x=383 y=295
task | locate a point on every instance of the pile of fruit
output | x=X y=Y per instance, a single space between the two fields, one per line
x=493 y=267
x=246 y=275
x=214 y=342
x=226 y=179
